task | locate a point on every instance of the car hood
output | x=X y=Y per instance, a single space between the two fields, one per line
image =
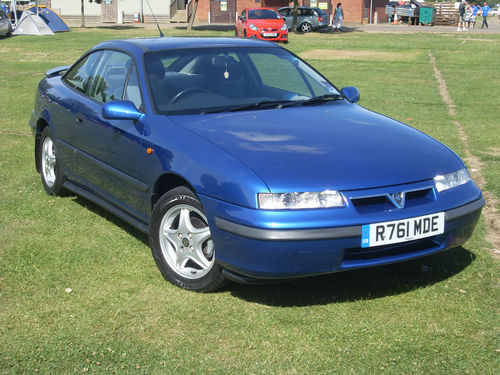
x=339 y=146
x=267 y=22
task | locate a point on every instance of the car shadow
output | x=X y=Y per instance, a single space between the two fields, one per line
x=363 y=284
x=94 y=208
x=330 y=29
x=348 y=286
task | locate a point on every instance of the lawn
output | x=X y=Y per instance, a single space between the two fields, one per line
x=80 y=292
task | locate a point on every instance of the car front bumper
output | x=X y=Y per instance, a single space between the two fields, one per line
x=287 y=249
x=281 y=36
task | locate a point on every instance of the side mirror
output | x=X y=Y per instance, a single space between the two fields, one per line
x=121 y=110
x=351 y=93
x=242 y=19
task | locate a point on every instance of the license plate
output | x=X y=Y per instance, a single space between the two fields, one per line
x=269 y=34
x=396 y=231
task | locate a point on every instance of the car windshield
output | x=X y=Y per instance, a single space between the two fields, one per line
x=202 y=80
x=263 y=14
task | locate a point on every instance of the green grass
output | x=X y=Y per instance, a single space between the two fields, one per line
x=435 y=315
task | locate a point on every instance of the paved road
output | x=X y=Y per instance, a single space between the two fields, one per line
x=493 y=22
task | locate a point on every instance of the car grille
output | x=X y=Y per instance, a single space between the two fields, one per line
x=366 y=254
x=380 y=203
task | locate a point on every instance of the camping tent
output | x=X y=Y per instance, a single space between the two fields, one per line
x=40 y=20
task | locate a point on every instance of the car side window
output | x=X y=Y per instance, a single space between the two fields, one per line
x=132 y=91
x=80 y=74
x=110 y=77
x=284 y=12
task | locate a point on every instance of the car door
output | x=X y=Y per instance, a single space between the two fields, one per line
x=109 y=153
x=287 y=13
x=240 y=22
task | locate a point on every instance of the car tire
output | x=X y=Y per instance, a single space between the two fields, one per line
x=305 y=27
x=181 y=242
x=245 y=34
x=50 y=172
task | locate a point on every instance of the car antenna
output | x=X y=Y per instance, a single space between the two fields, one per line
x=157 y=25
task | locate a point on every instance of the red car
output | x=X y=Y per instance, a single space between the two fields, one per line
x=262 y=23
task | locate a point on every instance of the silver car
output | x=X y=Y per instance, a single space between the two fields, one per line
x=5 y=26
x=308 y=19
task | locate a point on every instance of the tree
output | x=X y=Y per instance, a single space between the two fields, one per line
x=294 y=22
x=82 y=16
x=193 y=15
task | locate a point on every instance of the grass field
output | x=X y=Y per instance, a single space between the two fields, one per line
x=437 y=315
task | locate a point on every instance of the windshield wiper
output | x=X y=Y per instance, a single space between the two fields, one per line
x=321 y=99
x=266 y=104
x=277 y=104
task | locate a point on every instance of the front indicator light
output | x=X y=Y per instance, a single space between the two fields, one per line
x=295 y=201
x=451 y=180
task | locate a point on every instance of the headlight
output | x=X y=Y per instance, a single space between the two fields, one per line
x=253 y=27
x=294 y=201
x=451 y=180
x=283 y=28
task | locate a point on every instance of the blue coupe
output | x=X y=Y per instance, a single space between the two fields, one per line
x=242 y=162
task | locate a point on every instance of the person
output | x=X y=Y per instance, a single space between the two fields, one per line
x=485 y=10
x=461 y=15
x=339 y=16
x=468 y=15
x=475 y=10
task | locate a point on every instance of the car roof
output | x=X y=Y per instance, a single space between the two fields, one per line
x=166 y=43
x=258 y=8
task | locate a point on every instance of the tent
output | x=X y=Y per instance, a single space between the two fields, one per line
x=40 y=20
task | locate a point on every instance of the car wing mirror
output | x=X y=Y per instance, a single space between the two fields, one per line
x=351 y=93
x=121 y=110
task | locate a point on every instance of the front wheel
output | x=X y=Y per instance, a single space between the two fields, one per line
x=305 y=27
x=52 y=178
x=182 y=244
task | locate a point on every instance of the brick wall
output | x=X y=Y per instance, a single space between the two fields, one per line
x=354 y=10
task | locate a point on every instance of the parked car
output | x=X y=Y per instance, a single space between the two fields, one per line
x=261 y=23
x=242 y=162
x=5 y=25
x=308 y=19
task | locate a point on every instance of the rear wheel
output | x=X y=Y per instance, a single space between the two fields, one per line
x=305 y=27
x=52 y=178
x=182 y=244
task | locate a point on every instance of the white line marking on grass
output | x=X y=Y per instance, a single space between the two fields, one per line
x=490 y=212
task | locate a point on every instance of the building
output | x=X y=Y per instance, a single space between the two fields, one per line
x=225 y=10
x=213 y=11
x=113 y=11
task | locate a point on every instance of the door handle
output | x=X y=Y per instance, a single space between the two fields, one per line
x=79 y=118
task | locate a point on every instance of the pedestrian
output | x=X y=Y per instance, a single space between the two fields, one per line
x=475 y=10
x=339 y=16
x=461 y=15
x=468 y=15
x=485 y=10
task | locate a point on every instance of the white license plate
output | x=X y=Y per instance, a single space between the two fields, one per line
x=396 y=231
x=269 y=34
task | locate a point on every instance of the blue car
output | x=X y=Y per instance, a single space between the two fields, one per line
x=242 y=162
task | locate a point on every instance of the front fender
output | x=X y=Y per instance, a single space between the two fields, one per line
x=210 y=170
